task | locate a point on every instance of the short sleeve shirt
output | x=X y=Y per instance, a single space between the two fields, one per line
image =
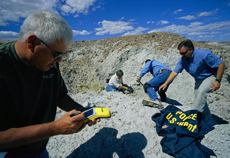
x=202 y=64
x=114 y=81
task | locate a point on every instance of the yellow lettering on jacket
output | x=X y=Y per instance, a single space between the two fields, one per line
x=173 y=120
x=169 y=116
x=183 y=121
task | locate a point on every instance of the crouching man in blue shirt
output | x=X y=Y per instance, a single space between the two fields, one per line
x=160 y=73
x=206 y=68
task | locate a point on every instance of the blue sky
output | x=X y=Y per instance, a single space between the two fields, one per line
x=199 y=20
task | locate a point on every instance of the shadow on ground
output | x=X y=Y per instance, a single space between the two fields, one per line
x=173 y=102
x=219 y=120
x=106 y=144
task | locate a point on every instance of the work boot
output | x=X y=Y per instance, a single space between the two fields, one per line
x=157 y=102
x=162 y=95
x=153 y=103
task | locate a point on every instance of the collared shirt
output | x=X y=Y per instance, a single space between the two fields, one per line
x=202 y=64
x=114 y=81
x=153 y=67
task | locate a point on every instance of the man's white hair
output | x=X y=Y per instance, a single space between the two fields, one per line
x=47 y=26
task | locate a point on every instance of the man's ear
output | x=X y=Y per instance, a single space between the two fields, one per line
x=31 y=42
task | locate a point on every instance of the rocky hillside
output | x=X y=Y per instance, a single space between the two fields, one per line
x=91 y=62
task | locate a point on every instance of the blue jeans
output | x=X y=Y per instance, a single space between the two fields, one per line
x=110 y=88
x=43 y=154
x=155 y=83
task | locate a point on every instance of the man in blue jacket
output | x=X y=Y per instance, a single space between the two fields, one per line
x=160 y=73
x=206 y=68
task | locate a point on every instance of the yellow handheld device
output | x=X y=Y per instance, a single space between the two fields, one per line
x=93 y=113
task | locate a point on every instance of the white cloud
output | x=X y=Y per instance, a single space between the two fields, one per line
x=179 y=10
x=11 y=10
x=208 y=13
x=118 y=27
x=202 y=14
x=8 y=35
x=137 y=31
x=197 y=33
x=203 y=33
x=96 y=7
x=121 y=18
x=162 y=22
x=113 y=27
x=65 y=8
x=215 y=32
x=76 y=16
x=180 y=29
x=188 y=17
x=196 y=28
x=83 y=32
x=78 y=6
x=148 y=22
x=193 y=24
x=224 y=25
x=132 y=20
x=3 y=23
x=206 y=36
x=226 y=34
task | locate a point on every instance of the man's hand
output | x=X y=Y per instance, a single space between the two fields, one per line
x=215 y=85
x=68 y=125
x=138 y=79
x=128 y=89
x=163 y=86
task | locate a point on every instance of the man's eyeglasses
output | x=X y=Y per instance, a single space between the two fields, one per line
x=55 y=54
x=183 y=53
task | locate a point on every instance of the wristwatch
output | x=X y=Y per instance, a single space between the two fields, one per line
x=218 y=80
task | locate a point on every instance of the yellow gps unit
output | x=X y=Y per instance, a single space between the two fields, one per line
x=96 y=112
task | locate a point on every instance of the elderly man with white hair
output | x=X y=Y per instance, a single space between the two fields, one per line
x=31 y=87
